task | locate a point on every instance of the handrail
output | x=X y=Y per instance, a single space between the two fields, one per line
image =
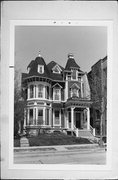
x=92 y=130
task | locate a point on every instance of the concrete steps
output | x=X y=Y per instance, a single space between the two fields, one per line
x=87 y=134
x=24 y=142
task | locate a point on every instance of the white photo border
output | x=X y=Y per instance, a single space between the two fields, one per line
x=62 y=167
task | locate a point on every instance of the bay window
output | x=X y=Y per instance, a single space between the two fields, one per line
x=47 y=92
x=31 y=91
x=40 y=91
x=40 y=117
x=30 y=116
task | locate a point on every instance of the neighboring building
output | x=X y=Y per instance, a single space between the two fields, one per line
x=56 y=97
x=98 y=84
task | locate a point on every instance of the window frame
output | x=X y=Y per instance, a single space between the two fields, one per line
x=54 y=91
x=40 y=109
x=30 y=91
x=76 y=74
x=77 y=95
x=30 y=124
x=39 y=68
x=39 y=85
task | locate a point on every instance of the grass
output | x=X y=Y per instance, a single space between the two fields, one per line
x=53 y=139
x=56 y=139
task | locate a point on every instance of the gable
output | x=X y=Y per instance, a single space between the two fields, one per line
x=57 y=85
x=56 y=69
x=74 y=86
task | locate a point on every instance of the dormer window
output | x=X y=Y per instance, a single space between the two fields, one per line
x=56 y=69
x=40 y=69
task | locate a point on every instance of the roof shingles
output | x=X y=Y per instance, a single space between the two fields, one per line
x=33 y=65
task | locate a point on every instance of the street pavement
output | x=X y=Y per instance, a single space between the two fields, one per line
x=72 y=154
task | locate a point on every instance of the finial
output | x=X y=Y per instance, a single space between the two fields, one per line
x=39 y=55
x=70 y=55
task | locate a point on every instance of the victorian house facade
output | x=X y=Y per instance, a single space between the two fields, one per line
x=57 y=98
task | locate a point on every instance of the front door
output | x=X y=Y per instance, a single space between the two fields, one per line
x=78 y=120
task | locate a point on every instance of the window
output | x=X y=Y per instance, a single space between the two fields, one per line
x=31 y=91
x=57 y=117
x=31 y=117
x=56 y=94
x=40 y=69
x=74 y=92
x=79 y=78
x=47 y=92
x=69 y=77
x=47 y=122
x=40 y=117
x=40 y=91
x=74 y=74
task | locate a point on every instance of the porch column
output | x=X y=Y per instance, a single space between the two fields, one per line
x=19 y=131
x=28 y=117
x=65 y=119
x=44 y=116
x=88 y=118
x=72 y=118
x=24 y=125
x=50 y=116
x=36 y=115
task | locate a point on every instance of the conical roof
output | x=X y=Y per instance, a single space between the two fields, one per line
x=71 y=63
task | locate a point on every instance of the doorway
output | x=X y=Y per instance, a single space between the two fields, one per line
x=78 y=120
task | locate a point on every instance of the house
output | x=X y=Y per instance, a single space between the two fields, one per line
x=98 y=84
x=57 y=98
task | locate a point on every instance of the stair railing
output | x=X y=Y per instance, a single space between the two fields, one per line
x=92 y=130
x=76 y=131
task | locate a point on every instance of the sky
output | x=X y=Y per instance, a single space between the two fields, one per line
x=88 y=44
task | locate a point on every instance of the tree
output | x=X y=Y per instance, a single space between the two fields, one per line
x=98 y=92
x=19 y=105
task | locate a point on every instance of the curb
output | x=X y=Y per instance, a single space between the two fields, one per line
x=58 y=153
x=57 y=148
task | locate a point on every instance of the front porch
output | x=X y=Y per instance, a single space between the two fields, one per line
x=77 y=117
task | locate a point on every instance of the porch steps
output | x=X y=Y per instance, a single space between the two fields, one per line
x=87 y=134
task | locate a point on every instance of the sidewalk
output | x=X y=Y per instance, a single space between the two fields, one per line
x=59 y=149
